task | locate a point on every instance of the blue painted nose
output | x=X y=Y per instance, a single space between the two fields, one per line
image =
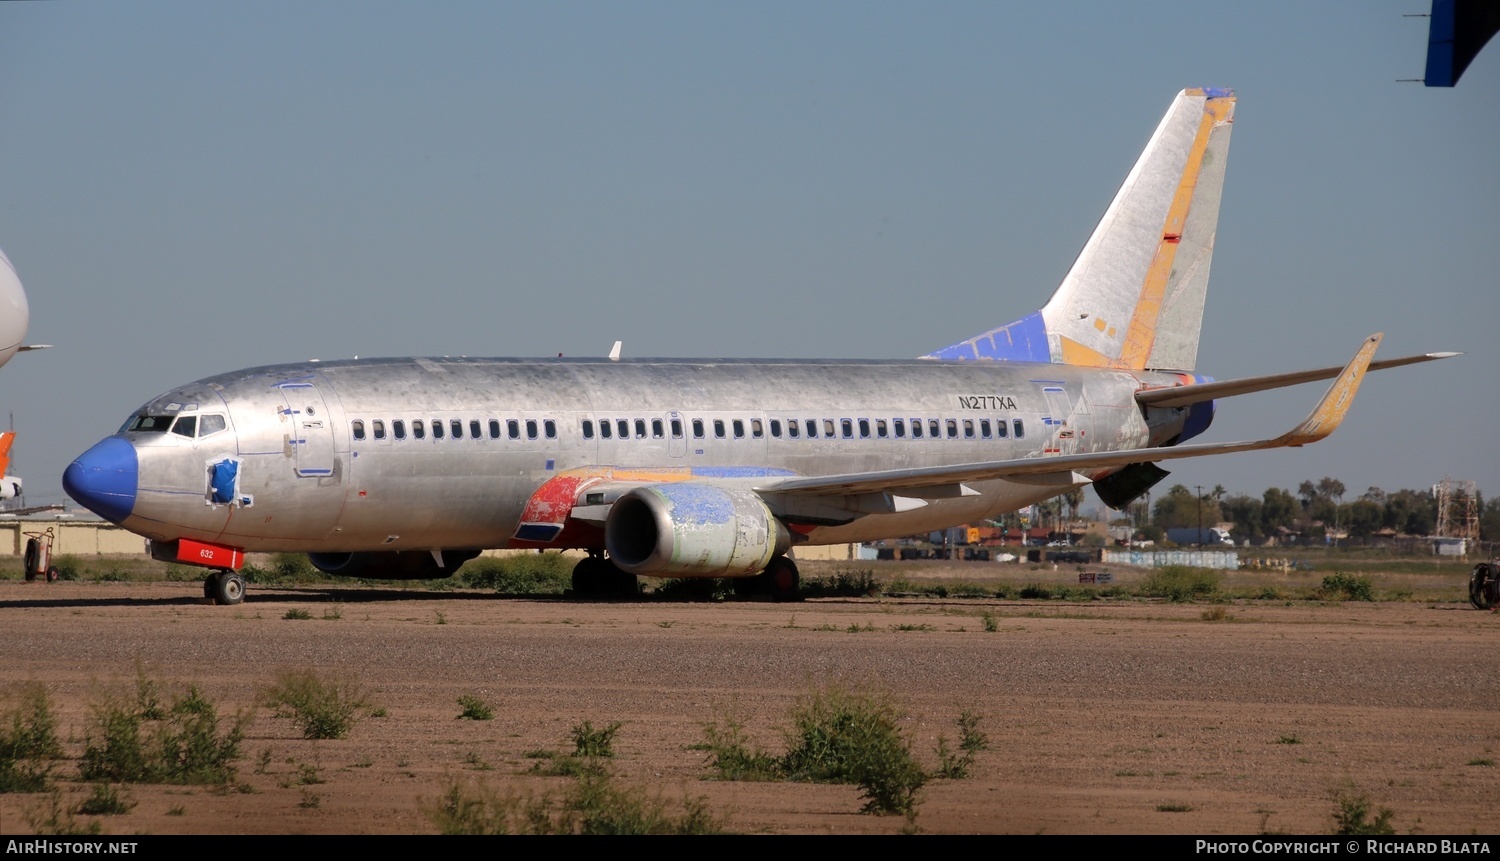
x=104 y=478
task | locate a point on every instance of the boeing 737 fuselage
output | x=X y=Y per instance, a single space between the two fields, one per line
x=710 y=468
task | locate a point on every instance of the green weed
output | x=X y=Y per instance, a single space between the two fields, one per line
x=320 y=708
x=106 y=800
x=591 y=742
x=731 y=756
x=296 y=613
x=840 y=735
x=548 y=573
x=1348 y=587
x=991 y=624
x=473 y=708
x=52 y=818
x=1178 y=583
x=28 y=739
x=1351 y=815
x=184 y=745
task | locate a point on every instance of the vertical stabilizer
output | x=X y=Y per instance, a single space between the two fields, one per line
x=1134 y=297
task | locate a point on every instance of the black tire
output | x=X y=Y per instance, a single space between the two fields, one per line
x=588 y=577
x=208 y=585
x=780 y=580
x=619 y=583
x=33 y=547
x=1483 y=586
x=229 y=588
x=53 y=574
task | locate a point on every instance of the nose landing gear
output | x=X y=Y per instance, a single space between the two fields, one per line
x=224 y=587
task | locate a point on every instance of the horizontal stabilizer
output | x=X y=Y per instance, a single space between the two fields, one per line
x=1185 y=396
x=1322 y=421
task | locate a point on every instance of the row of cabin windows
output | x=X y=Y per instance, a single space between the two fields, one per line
x=454 y=429
x=830 y=429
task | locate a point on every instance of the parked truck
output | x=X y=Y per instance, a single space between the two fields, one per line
x=1207 y=536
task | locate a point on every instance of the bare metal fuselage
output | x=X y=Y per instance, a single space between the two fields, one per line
x=305 y=482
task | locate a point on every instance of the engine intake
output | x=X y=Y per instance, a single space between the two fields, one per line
x=693 y=530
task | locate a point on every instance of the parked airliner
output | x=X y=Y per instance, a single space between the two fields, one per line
x=15 y=318
x=407 y=468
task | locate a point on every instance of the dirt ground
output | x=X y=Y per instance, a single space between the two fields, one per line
x=1103 y=717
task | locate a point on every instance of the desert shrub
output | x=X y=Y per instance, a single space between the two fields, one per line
x=958 y=765
x=1351 y=815
x=731 y=756
x=473 y=708
x=51 y=817
x=297 y=613
x=548 y=573
x=184 y=745
x=68 y=567
x=1348 y=587
x=106 y=800
x=283 y=568
x=842 y=584
x=588 y=741
x=693 y=589
x=28 y=739
x=991 y=624
x=846 y=736
x=320 y=708
x=1179 y=583
x=597 y=804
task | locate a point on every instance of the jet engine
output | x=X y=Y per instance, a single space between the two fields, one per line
x=693 y=530
x=391 y=565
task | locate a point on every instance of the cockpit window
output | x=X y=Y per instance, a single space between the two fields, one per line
x=149 y=424
x=186 y=426
x=211 y=424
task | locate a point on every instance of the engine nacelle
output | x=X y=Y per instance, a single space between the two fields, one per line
x=391 y=564
x=693 y=530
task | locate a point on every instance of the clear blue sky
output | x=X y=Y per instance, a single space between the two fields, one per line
x=190 y=188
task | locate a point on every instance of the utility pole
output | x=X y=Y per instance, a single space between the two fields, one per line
x=1199 y=542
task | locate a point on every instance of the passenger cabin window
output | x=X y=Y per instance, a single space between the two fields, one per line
x=549 y=427
x=658 y=431
x=864 y=428
x=457 y=427
x=437 y=429
x=513 y=428
x=880 y=428
x=1019 y=428
x=900 y=428
x=359 y=429
x=968 y=428
x=757 y=430
x=828 y=429
x=984 y=428
x=792 y=428
x=531 y=428
x=606 y=429
x=640 y=428
x=916 y=428
x=418 y=429
x=495 y=429
x=474 y=429
x=719 y=428
x=623 y=426
x=588 y=429
x=1000 y=428
x=398 y=429
x=378 y=429
x=952 y=429
x=848 y=427
x=186 y=426
x=697 y=428
x=812 y=428
x=739 y=428
x=676 y=428
x=776 y=428
x=211 y=424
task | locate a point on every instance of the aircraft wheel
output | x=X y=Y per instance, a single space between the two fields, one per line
x=589 y=577
x=746 y=588
x=229 y=588
x=618 y=583
x=1484 y=584
x=781 y=579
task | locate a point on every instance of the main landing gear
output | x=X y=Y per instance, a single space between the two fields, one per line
x=224 y=587
x=780 y=582
x=597 y=577
x=1484 y=586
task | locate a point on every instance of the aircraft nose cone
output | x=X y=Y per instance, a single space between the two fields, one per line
x=103 y=479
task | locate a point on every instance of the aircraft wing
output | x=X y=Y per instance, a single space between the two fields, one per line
x=1183 y=396
x=947 y=481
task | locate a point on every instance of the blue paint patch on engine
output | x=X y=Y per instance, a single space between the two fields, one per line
x=1217 y=92
x=697 y=504
x=1025 y=340
x=737 y=471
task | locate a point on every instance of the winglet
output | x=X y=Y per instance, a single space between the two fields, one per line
x=1329 y=413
